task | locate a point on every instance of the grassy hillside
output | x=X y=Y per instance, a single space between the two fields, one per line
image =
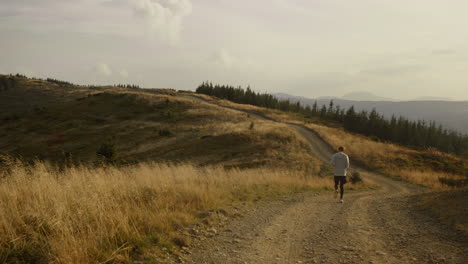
x=430 y=168
x=48 y=121
x=414 y=134
x=178 y=158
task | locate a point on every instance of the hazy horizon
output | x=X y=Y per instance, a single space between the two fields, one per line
x=399 y=49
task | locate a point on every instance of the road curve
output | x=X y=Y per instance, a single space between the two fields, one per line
x=379 y=226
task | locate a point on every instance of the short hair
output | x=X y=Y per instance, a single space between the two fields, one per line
x=341 y=148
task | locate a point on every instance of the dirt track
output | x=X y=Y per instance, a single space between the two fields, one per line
x=379 y=226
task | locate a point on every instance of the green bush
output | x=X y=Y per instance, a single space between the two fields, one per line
x=107 y=152
x=355 y=177
x=165 y=132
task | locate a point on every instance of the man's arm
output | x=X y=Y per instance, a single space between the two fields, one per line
x=332 y=160
x=347 y=162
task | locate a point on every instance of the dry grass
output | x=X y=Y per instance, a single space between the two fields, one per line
x=387 y=158
x=88 y=215
x=426 y=177
x=371 y=153
x=449 y=207
x=273 y=114
x=418 y=167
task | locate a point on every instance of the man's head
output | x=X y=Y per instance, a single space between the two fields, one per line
x=341 y=148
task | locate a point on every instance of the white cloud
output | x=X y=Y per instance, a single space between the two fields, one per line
x=224 y=59
x=164 y=18
x=103 y=69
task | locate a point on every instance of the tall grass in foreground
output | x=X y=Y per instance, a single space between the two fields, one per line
x=89 y=215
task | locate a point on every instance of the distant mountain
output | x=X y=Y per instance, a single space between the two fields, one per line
x=365 y=96
x=450 y=114
x=432 y=98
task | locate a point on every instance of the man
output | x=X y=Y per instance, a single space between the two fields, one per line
x=340 y=163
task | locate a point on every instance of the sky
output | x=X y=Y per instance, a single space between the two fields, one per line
x=398 y=49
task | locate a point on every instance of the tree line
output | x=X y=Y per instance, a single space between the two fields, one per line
x=131 y=86
x=59 y=82
x=417 y=134
x=9 y=81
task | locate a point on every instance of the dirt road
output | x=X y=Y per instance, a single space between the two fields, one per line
x=379 y=226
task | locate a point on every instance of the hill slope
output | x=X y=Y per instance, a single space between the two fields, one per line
x=428 y=167
x=54 y=122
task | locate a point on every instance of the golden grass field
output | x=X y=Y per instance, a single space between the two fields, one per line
x=89 y=215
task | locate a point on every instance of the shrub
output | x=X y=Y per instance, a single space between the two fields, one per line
x=355 y=177
x=165 y=132
x=252 y=124
x=107 y=152
x=454 y=182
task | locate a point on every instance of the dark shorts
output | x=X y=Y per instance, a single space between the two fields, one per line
x=340 y=180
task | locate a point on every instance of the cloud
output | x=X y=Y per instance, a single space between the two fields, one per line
x=224 y=59
x=103 y=69
x=164 y=18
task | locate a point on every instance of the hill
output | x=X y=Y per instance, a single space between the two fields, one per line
x=57 y=122
x=181 y=167
x=429 y=167
x=173 y=159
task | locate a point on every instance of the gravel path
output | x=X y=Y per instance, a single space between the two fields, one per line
x=379 y=226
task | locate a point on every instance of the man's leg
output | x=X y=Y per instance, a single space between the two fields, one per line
x=335 y=193
x=341 y=189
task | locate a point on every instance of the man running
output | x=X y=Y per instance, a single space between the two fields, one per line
x=340 y=163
